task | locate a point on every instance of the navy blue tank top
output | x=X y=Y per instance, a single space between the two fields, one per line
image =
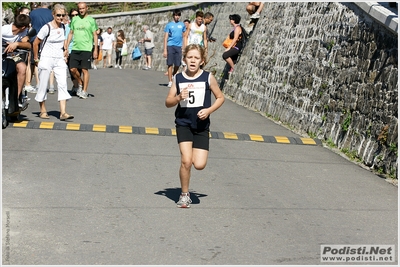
x=199 y=98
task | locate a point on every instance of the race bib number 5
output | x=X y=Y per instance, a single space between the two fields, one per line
x=196 y=94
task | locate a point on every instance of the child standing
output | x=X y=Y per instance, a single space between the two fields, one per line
x=191 y=91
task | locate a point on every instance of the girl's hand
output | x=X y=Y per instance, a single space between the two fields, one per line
x=203 y=114
x=184 y=94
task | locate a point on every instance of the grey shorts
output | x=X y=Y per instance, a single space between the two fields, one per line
x=149 y=51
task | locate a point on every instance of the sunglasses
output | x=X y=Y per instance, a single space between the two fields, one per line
x=73 y=15
x=60 y=15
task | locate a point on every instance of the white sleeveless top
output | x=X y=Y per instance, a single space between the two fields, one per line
x=196 y=34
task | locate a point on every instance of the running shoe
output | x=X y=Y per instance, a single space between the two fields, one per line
x=230 y=71
x=79 y=91
x=83 y=95
x=255 y=16
x=169 y=84
x=51 y=91
x=184 y=201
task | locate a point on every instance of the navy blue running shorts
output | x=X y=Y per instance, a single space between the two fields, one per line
x=200 y=139
x=174 y=56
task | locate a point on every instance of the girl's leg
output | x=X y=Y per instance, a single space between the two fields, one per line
x=186 y=165
x=199 y=158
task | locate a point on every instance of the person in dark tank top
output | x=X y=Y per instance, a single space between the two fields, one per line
x=191 y=92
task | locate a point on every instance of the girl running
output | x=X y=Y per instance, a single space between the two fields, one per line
x=191 y=91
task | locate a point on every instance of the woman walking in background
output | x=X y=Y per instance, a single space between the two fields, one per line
x=53 y=57
x=118 y=48
x=99 y=48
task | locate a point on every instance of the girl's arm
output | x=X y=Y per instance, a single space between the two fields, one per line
x=219 y=96
x=172 y=98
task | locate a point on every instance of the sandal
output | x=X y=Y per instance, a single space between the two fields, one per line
x=44 y=115
x=66 y=116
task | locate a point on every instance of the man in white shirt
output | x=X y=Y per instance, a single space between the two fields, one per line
x=13 y=37
x=108 y=44
x=148 y=41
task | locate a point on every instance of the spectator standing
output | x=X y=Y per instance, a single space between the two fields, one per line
x=196 y=32
x=53 y=57
x=148 y=41
x=118 y=48
x=108 y=44
x=208 y=18
x=40 y=15
x=173 y=41
x=13 y=37
x=99 y=47
x=23 y=10
x=231 y=53
x=83 y=30
x=191 y=93
x=72 y=13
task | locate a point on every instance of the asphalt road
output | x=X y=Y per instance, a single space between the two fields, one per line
x=86 y=196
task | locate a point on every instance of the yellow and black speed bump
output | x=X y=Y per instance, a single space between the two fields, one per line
x=161 y=131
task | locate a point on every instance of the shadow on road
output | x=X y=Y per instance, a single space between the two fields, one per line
x=173 y=194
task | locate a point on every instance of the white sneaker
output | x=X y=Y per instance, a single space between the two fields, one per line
x=169 y=84
x=119 y=66
x=79 y=91
x=29 y=88
x=94 y=67
x=116 y=66
x=255 y=16
x=51 y=90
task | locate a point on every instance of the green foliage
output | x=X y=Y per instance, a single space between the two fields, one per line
x=347 y=121
x=330 y=143
x=312 y=135
x=14 y=6
x=351 y=154
x=161 y=4
x=330 y=45
x=324 y=86
x=393 y=148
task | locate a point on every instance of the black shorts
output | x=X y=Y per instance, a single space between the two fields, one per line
x=80 y=59
x=200 y=139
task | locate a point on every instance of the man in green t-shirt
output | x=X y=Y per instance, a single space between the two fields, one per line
x=83 y=31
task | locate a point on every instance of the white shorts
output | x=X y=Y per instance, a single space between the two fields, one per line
x=107 y=52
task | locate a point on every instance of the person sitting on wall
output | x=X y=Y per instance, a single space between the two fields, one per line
x=254 y=9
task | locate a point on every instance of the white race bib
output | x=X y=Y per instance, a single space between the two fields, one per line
x=197 y=92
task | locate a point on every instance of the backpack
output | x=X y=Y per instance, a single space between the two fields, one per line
x=45 y=38
x=245 y=36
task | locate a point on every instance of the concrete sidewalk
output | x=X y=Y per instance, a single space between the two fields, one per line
x=94 y=197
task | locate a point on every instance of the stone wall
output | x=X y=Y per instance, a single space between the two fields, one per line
x=325 y=69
